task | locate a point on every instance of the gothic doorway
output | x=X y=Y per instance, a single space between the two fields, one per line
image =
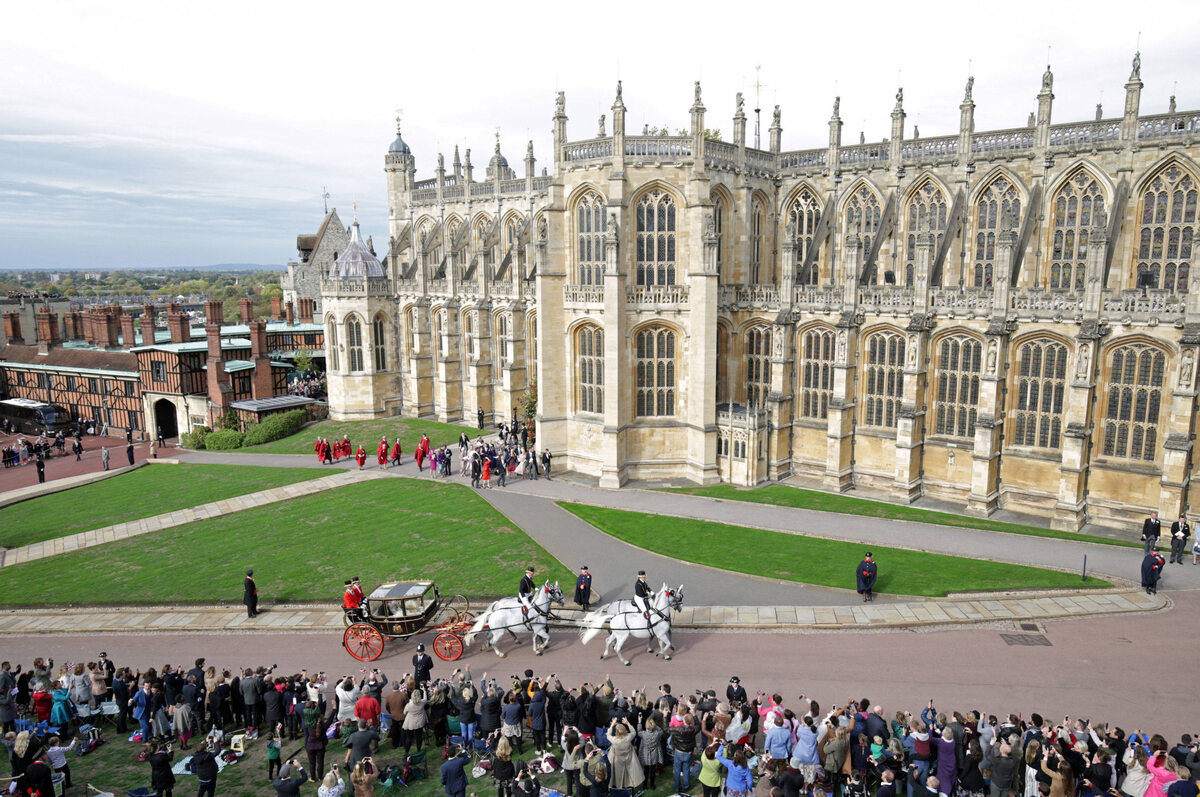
x=165 y=418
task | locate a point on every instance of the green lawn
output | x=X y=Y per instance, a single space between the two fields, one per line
x=367 y=433
x=782 y=495
x=145 y=492
x=302 y=550
x=829 y=563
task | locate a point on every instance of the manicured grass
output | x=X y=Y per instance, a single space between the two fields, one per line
x=782 y=495
x=145 y=492
x=367 y=433
x=302 y=550
x=829 y=563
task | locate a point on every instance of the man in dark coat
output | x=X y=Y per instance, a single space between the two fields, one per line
x=205 y=767
x=250 y=594
x=865 y=574
x=735 y=692
x=527 y=588
x=1152 y=567
x=1151 y=528
x=1180 y=532
x=422 y=666
x=129 y=452
x=479 y=416
x=583 y=588
x=454 y=780
x=41 y=470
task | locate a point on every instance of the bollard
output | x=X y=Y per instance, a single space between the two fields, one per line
x=1085 y=567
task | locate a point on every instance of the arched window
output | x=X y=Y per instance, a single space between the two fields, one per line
x=1134 y=401
x=758 y=366
x=816 y=373
x=724 y=261
x=959 y=361
x=531 y=343
x=502 y=335
x=927 y=204
x=379 y=342
x=862 y=216
x=722 y=365
x=656 y=239
x=589 y=368
x=331 y=344
x=758 y=215
x=1074 y=206
x=1168 y=227
x=885 y=379
x=413 y=332
x=1041 y=384
x=512 y=241
x=354 y=343
x=803 y=217
x=654 y=356
x=440 y=347
x=590 y=226
x=469 y=334
x=997 y=201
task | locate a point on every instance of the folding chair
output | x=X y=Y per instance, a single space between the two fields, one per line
x=417 y=768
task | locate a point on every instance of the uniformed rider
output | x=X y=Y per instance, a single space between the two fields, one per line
x=527 y=589
x=642 y=594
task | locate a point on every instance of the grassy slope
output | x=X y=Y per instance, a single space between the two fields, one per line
x=367 y=433
x=302 y=550
x=830 y=563
x=145 y=492
x=782 y=495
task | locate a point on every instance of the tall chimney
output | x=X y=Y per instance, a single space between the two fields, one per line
x=110 y=328
x=289 y=314
x=306 y=311
x=219 y=388
x=74 y=325
x=246 y=309
x=148 y=321
x=276 y=308
x=178 y=325
x=47 y=328
x=262 y=385
x=128 y=335
x=214 y=312
x=12 y=328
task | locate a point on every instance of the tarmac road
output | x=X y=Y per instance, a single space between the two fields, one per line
x=1128 y=669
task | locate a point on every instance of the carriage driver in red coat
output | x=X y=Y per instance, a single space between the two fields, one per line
x=352 y=602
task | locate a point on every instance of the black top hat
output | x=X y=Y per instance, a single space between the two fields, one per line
x=641 y=572
x=249 y=572
x=348 y=582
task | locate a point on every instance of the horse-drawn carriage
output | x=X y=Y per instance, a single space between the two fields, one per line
x=404 y=609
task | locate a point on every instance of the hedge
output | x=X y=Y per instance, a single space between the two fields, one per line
x=275 y=427
x=224 y=440
x=195 y=438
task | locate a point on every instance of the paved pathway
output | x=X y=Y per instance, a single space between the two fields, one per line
x=320 y=617
x=121 y=531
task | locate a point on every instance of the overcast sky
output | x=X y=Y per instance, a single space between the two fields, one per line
x=137 y=134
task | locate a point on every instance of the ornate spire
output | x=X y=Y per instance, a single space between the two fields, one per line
x=457 y=160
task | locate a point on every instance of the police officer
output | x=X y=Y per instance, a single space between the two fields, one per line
x=583 y=588
x=865 y=575
x=422 y=666
x=642 y=594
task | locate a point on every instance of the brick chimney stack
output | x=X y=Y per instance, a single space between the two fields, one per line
x=263 y=384
x=246 y=310
x=306 y=311
x=276 y=308
x=214 y=312
x=219 y=388
x=178 y=324
x=128 y=334
x=12 y=328
x=290 y=314
x=148 y=322
x=110 y=328
x=74 y=325
x=47 y=329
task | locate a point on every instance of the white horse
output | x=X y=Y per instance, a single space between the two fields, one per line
x=508 y=614
x=625 y=620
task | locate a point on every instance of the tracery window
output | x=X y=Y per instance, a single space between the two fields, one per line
x=998 y=200
x=720 y=210
x=354 y=343
x=1077 y=201
x=1134 y=402
x=758 y=367
x=957 y=399
x=655 y=363
x=590 y=226
x=1168 y=228
x=414 y=334
x=512 y=241
x=1041 y=385
x=589 y=345
x=656 y=239
x=440 y=343
x=803 y=217
x=862 y=216
x=816 y=373
x=469 y=334
x=757 y=225
x=379 y=342
x=927 y=204
x=502 y=336
x=331 y=347
x=531 y=343
x=885 y=379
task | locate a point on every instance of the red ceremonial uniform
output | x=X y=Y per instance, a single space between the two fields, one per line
x=359 y=595
x=361 y=457
x=383 y=452
x=396 y=451
x=349 y=599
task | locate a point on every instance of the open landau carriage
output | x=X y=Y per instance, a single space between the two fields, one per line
x=404 y=609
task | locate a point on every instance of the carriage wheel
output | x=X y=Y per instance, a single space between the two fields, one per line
x=447 y=646
x=363 y=642
x=462 y=609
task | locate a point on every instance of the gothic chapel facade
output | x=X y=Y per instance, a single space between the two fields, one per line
x=1007 y=318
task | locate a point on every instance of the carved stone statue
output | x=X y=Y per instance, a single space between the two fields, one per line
x=1047 y=79
x=916 y=131
x=970 y=85
x=862 y=137
x=1099 y=111
x=613 y=229
x=841 y=345
x=993 y=354
x=740 y=103
x=1085 y=356
x=777 y=336
x=697 y=92
x=600 y=130
x=776 y=117
x=1171 y=105
x=837 y=105
x=899 y=96
x=618 y=91
x=560 y=103
x=710 y=225
x=1136 y=72
x=1185 y=369
x=912 y=350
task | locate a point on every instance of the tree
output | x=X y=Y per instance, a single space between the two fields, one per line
x=528 y=401
x=304 y=361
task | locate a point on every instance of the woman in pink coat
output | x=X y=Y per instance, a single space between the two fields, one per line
x=1160 y=775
